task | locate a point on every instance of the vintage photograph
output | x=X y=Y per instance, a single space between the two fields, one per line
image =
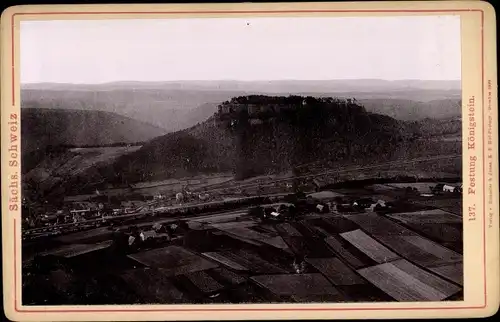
x=242 y=160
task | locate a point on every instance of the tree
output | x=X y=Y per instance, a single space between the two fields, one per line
x=257 y=212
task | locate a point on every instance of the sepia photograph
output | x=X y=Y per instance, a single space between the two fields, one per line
x=257 y=161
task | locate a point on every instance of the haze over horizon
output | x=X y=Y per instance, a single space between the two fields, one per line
x=247 y=81
x=241 y=50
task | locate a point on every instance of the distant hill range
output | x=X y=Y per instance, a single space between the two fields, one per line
x=273 y=86
x=175 y=106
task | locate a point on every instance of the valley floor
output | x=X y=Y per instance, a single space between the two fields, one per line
x=410 y=252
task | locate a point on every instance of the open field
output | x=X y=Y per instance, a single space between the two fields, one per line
x=88 y=157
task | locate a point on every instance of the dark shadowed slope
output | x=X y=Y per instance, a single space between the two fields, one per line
x=44 y=127
x=267 y=143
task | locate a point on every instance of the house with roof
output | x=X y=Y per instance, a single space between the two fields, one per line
x=80 y=208
x=446 y=188
x=363 y=203
x=377 y=205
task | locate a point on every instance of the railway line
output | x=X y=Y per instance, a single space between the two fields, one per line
x=315 y=175
x=148 y=214
x=344 y=170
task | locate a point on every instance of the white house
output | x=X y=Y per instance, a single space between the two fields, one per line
x=380 y=203
x=448 y=188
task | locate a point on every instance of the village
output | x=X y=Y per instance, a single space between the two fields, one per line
x=79 y=209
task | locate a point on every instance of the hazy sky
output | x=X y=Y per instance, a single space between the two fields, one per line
x=96 y=51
